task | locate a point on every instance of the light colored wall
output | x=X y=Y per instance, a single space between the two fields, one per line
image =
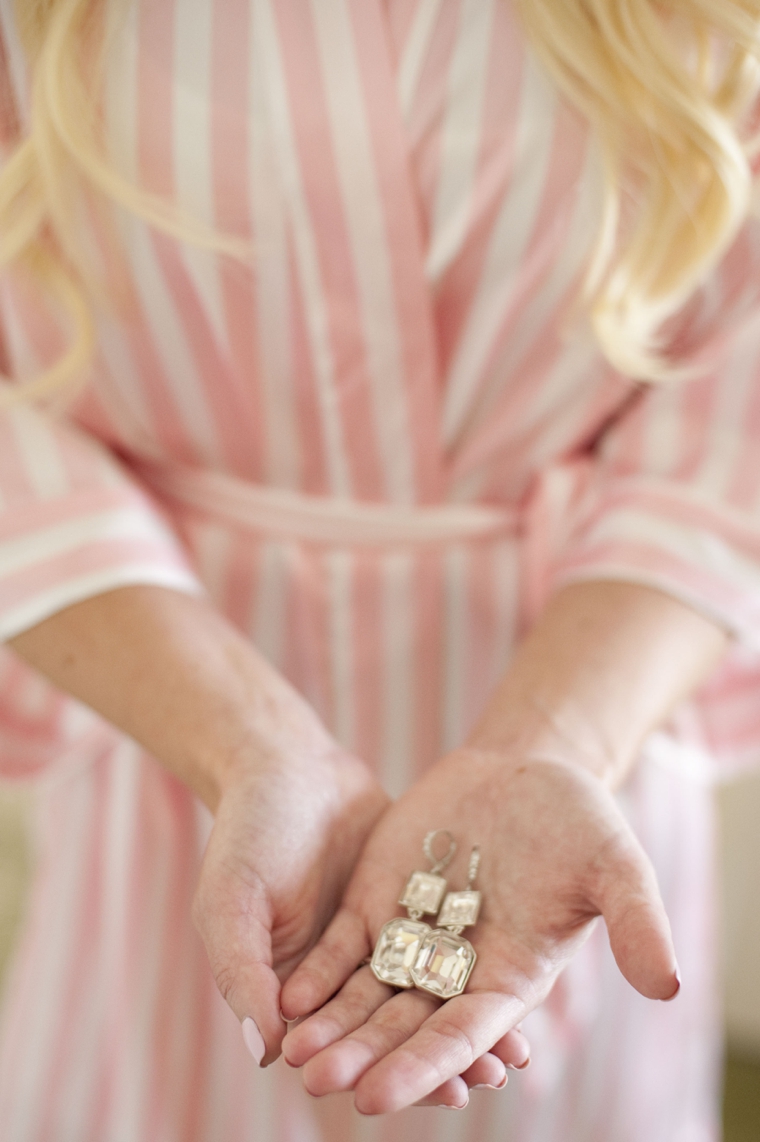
x=740 y=829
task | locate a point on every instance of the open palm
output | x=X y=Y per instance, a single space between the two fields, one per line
x=556 y=853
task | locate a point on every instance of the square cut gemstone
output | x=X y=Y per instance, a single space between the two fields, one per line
x=396 y=950
x=460 y=909
x=424 y=892
x=443 y=964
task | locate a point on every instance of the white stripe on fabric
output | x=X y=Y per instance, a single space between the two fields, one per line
x=24 y=360
x=363 y=212
x=168 y=336
x=39 y=449
x=305 y=247
x=398 y=672
x=576 y=368
x=220 y=1103
x=506 y=588
x=734 y=397
x=84 y=1041
x=44 y=1032
x=159 y=313
x=579 y=363
x=211 y=543
x=460 y=136
x=453 y=713
x=274 y=308
x=500 y=279
x=536 y=317
x=128 y=1104
x=66 y=592
x=702 y=549
x=193 y=40
x=120 y=87
x=415 y=51
x=268 y=623
x=46 y=543
x=121 y=392
x=339 y=569
x=663 y=434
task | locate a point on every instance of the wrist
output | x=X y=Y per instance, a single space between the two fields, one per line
x=532 y=726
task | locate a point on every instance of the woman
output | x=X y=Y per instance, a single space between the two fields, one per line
x=385 y=449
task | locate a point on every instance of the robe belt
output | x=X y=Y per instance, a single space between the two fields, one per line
x=282 y=514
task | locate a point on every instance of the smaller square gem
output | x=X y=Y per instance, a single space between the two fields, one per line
x=460 y=909
x=424 y=892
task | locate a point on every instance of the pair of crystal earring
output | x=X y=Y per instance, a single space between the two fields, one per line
x=409 y=953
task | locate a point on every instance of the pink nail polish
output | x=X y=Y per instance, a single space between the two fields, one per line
x=490 y=1086
x=678 y=987
x=253 y=1040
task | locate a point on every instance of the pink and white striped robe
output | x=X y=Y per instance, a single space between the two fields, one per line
x=405 y=347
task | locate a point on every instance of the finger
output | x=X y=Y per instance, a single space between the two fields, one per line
x=342 y=947
x=451 y=1095
x=637 y=924
x=358 y=999
x=513 y=1049
x=487 y=1071
x=447 y=1044
x=239 y=949
x=340 y=1066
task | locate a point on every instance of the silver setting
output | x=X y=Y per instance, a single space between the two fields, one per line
x=445 y=959
x=400 y=940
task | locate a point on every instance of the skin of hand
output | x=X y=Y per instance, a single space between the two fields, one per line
x=292 y=809
x=532 y=788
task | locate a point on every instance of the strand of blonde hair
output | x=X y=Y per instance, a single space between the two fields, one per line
x=666 y=88
x=42 y=182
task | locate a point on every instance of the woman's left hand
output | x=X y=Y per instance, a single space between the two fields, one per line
x=556 y=852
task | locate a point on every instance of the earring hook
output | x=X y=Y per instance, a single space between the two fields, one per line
x=438 y=863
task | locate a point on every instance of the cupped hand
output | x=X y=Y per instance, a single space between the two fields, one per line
x=556 y=853
x=288 y=830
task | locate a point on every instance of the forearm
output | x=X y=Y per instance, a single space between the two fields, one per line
x=177 y=677
x=605 y=665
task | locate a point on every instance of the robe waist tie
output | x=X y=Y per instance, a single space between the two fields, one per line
x=284 y=514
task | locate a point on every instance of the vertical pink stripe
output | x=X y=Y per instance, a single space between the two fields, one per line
x=338 y=279
x=404 y=239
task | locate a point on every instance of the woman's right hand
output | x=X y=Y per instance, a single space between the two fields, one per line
x=288 y=831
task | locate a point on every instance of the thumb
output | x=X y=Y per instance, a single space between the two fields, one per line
x=236 y=930
x=638 y=927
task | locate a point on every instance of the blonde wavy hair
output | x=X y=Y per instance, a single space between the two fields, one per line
x=668 y=87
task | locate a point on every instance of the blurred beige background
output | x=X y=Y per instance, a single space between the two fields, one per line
x=740 y=878
x=740 y=828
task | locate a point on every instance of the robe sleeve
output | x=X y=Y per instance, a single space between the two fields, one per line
x=674 y=495
x=73 y=523
x=673 y=502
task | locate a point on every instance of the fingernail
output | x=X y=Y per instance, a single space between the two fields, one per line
x=490 y=1086
x=678 y=987
x=514 y=1067
x=253 y=1040
x=446 y=1106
